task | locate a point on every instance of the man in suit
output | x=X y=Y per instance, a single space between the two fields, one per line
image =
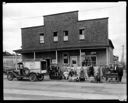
x=119 y=69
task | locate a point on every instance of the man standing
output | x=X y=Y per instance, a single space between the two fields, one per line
x=120 y=72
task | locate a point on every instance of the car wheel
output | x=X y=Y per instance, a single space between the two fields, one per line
x=40 y=77
x=32 y=77
x=10 y=76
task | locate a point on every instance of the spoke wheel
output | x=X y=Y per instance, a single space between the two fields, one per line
x=10 y=76
x=32 y=77
x=41 y=77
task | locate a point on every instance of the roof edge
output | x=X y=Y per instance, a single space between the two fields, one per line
x=93 y=19
x=61 y=13
x=110 y=43
x=32 y=27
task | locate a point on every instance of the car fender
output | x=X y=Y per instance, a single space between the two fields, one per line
x=12 y=73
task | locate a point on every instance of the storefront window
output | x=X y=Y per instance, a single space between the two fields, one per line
x=65 y=57
x=73 y=61
x=89 y=59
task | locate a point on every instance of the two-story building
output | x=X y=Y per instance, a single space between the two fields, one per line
x=65 y=40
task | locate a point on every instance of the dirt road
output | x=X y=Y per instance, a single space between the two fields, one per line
x=61 y=90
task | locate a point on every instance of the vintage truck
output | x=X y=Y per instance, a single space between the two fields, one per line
x=32 y=70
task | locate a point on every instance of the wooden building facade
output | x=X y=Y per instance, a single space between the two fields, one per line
x=65 y=40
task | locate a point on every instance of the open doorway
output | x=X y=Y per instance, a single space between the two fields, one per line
x=48 y=62
x=43 y=65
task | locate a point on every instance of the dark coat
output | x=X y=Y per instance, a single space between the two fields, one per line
x=72 y=73
x=120 y=71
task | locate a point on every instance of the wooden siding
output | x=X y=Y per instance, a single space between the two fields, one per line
x=96 y=32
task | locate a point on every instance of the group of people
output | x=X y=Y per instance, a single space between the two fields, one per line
x=92 y=73
x=114 y=68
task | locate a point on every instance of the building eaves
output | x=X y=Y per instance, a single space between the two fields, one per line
x=33 y=27
x=59 y=49
x=93 y=19
x=111 y=44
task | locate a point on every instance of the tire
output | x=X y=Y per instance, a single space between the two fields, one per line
x=32 y=77
x=26 y=71
x=10 y=76
x=40 y=77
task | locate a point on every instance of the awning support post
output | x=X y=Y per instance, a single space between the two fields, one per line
x=34 y=56
x=56 y=57
x=80 y=58
x=107 y=56
x=16 y=61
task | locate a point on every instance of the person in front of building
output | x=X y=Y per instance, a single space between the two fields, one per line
x=72 y=74
x=66 y=73
x=91 y=73
x=86 y=71
x=82 y=74
x=115 y=70
x=120 y=71
x=91 y=70
x=111 y=68
x=97 y=74
x=20 y=68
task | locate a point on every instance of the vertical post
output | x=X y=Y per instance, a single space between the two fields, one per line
x=56 y=57
x=106 y=56
x=34 y=56
x=80 y=58
x=21 y=57
x=16 y=61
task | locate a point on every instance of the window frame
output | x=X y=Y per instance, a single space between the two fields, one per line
x=81 y=33
x=65 y=34
x=67 y=57
x=55 y=36
x=41 y=36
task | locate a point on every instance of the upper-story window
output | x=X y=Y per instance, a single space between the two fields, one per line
x=55 y=36
x=42 y=38
x=65 y=35
x=81 y=34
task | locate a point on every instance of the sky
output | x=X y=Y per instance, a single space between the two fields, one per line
x=19 y=15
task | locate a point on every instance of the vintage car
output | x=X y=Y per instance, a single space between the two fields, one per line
x=32 y=70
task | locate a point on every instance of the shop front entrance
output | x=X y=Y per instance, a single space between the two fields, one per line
x=74 y=61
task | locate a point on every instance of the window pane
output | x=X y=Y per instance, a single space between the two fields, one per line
x=73 y=61
x=65 y=33
x=80 y=31
x=41 y=41
x=65 y=55
x=55 y=34
x=81 y=36
x=93 y=58
x=42 y=34
x=65 y=38
x=65 y=61
x=56 y=38
x=42 y=38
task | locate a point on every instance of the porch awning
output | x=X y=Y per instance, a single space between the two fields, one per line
x=59 y=49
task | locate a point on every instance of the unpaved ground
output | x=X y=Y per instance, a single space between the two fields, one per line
x=62 y=89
